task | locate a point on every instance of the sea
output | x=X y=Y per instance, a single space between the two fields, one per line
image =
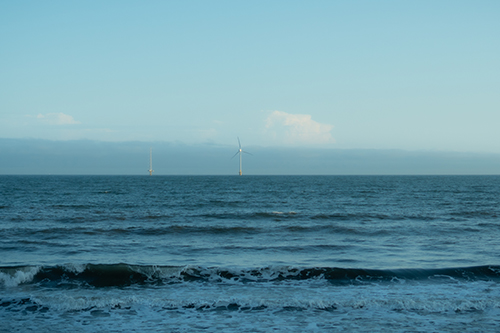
x=249 y=253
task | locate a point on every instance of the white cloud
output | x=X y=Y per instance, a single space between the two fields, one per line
x=57 y=119
x=297 y=129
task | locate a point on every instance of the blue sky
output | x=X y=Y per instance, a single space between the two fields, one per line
x=411 y=75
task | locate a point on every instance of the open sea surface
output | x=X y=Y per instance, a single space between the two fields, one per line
x=250 y=253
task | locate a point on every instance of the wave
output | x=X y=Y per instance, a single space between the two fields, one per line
x=222 y=228
x=97 y=306
x=77 y=214
x=120 y=275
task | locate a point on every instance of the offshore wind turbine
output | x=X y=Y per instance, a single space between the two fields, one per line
x=240 y=151
x=150 y=161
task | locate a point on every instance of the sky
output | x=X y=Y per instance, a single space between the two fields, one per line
x=411 y=75
x=415 y=76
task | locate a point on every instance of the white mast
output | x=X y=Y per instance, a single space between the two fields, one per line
x=150 y=161
x=240 y=159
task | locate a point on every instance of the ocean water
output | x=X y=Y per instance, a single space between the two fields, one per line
x=250 y=254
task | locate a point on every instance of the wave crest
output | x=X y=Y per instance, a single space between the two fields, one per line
x=119 y=275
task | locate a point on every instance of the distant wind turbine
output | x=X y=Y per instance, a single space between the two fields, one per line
x=150 y=161
x=239 y=152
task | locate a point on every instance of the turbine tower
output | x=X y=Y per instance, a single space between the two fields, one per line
x=239 y=152
x=150 y=161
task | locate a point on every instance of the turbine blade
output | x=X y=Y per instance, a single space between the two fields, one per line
x=239 y=144
x=246 y=152
x=235 y=154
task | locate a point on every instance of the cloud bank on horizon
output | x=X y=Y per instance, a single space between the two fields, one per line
x=25 y=156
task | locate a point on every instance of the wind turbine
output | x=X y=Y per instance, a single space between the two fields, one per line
x=239 y=152
x=150 y=161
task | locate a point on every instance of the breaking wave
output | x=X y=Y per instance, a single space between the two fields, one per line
x=119 y=275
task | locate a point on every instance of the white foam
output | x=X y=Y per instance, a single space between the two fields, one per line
x=293 y=306
x=75 y=268
x=287 y=213
x=11 y=277
x=161 y=272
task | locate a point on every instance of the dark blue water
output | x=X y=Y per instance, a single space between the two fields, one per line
x=251 y=253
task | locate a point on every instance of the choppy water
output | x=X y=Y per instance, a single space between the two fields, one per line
x=252 y=253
